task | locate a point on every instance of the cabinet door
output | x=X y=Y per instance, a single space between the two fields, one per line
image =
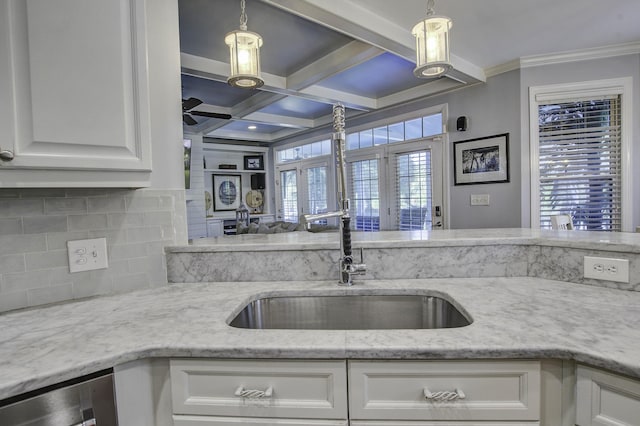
x=245 y=421
x=260 y=388
x=74 y=85
x=444 y=390
x=605 y=399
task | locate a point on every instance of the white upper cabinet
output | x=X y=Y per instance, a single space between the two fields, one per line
x=74 y=93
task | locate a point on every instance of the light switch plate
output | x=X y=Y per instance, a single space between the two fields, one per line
x=479 y=199
x=605 y=268
x=86 y=255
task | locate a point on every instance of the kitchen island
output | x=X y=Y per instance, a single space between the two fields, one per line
x=514 y=317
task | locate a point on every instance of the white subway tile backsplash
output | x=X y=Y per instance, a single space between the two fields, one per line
x=44 y=224
x=88 y=221
x=109 y=204
x=35 y=225
x=12 y=263
x=12 y=244
x=21 y=207
x=118 y=220
x=11 y=226
x=65 y=205
x=57 y=293
x=25 y=281
x=13 y=300
x=46 y=260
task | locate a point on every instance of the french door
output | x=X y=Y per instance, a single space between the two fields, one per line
x=304 y=188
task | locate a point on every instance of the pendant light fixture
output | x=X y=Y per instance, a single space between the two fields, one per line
x=432 y=44
x=244 y=49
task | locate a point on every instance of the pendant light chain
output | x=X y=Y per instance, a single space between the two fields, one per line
x=430 y=5
x=243 y=16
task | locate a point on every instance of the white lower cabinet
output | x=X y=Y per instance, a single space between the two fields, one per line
x=216 y=392
x=606 y=399
x=381 y=393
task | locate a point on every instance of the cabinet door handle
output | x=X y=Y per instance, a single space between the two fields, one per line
x=6 y=155
x=443 y=395
x=254 y=393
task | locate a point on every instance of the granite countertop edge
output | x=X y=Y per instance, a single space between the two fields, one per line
x=514 y=318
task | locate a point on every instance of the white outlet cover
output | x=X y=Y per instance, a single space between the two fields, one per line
x=479 y=199
x=87 y=255
x=606 y=268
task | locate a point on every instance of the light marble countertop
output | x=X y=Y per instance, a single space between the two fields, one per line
x=512 y=318
x=611 y=241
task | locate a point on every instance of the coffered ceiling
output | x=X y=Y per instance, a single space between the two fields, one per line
x=361 y=53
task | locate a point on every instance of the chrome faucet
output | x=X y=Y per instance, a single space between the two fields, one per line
x=347 y=267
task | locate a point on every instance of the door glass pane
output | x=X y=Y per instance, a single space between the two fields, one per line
x=413 y=129
x=414 y=195
x=366 y=196
x=289 y=194
x=317 y=191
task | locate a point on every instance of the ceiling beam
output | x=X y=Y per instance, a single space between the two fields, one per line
x=361 y=24
x=347 y=56
x=280 y=120
x=211 y=69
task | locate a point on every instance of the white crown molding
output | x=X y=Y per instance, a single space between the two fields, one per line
x=581 y=55
x=502 y=68
x=565 y=57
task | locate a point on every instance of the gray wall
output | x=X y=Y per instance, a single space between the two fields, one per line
x=491 y=108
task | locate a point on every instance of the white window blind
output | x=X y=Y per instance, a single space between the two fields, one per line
x=365 y=195
x=580 y=162
x=413 y=190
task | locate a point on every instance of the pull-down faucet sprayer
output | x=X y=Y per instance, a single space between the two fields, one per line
x=347 y=267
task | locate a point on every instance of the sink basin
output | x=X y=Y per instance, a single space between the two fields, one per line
x=352 y=312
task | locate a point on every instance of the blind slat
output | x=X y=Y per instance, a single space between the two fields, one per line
x=580 y=162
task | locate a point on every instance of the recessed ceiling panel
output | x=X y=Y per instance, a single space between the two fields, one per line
x=213 y=92
x=243 y=126
x=298 y=108
x=290 y=42
x=378 y=77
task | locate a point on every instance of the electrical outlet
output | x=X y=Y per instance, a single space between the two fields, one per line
x=605 y=268
x=86 y=255
x=479 y=199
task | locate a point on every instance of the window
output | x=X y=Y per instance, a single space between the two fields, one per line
x=365 y=195
x=390 y=180
x=317 y=191
x=578 y=148
x=413 y=190
x=289 y=195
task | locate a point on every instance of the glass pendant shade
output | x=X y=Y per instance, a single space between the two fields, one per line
x=432 y=46
x=244 y=50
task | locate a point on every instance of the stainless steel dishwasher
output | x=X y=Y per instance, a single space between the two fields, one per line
x=86 y=401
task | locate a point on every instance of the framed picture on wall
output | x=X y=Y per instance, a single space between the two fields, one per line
x=481 y=160
x=253 y=162
x=227 y=192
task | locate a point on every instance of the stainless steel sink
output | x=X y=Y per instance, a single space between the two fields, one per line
x=353 y=312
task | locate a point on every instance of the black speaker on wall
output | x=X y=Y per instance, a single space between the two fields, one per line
x=461 y=124
x=257 y=181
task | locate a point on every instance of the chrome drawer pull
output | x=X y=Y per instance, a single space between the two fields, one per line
x=6 y=155
x=254 y=393
x=443 y=395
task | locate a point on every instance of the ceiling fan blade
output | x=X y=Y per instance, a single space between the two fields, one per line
x=187 y=104
x=212 y=115
x=188 y=120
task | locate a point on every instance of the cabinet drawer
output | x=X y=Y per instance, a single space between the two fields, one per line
x=605 y=399
x=271 y=388
x=457 y=390
x=244 y=421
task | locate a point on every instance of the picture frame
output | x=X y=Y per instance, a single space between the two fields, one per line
x=481 y=160
x=253 y=162
x=227 y=192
